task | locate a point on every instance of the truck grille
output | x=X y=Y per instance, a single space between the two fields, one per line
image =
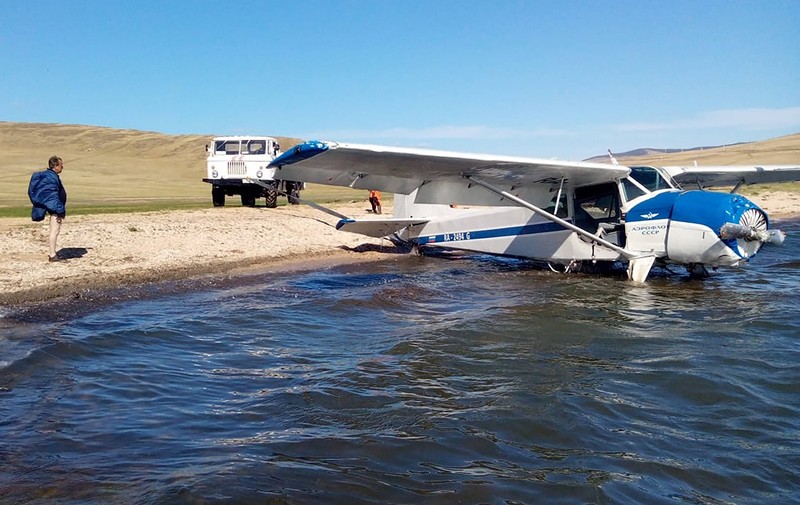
x=237 y=168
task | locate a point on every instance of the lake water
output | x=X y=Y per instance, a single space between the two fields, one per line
x=414 y=380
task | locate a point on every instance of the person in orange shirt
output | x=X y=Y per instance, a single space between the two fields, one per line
x=375 y=201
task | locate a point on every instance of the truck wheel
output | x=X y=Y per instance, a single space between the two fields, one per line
x=217 y=196
x=248 y=200
x=293 y=192
x=272 y=198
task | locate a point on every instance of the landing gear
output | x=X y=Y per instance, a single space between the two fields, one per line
x=697 y=271
x=293 y=192
x=573 y=266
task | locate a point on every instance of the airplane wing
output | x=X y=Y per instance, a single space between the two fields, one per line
x=402 y=170
x=710 y=176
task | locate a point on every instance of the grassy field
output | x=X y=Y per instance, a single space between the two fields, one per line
x=112 y=170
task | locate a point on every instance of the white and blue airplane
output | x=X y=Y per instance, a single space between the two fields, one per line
x=568 y=214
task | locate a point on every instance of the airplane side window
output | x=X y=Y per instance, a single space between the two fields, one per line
x=631 y=190
x=562 y=207
x=602 y=207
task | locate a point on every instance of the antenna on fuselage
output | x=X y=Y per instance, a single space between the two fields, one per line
x=613 y=159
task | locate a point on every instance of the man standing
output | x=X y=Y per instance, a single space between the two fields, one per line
x=48 y=196
x=375 y=201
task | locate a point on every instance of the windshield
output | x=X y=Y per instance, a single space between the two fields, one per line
x=648 y=177
x=234 y=147
x=254 y=147
x=226 y=146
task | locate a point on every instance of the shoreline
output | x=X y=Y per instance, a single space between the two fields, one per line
x=108 y=252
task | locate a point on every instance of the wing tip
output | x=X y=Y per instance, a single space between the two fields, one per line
x=300 y=152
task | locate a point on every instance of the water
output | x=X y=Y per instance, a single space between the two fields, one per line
x=416 y=380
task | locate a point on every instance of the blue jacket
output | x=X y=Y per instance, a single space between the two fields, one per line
x=47 y=194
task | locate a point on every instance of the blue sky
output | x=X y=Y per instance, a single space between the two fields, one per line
x=546 y=79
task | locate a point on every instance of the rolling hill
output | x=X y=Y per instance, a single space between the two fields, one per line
x=777 y=151
x=106 y=166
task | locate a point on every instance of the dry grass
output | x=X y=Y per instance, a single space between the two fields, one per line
x=777 y=151
x=106 y=168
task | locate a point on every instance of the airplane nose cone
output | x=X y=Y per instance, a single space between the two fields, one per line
x=714 y=210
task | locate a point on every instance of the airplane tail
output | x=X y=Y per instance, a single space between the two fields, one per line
x=406 y=213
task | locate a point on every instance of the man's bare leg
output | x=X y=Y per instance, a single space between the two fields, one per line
x=55 y=228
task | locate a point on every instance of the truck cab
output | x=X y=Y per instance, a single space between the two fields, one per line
x=233 y=165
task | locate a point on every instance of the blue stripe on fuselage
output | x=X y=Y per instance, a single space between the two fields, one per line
x=512 y=231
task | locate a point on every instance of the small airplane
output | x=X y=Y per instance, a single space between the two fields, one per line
x=571 y=215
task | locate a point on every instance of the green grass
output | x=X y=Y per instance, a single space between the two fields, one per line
x=324 y=195
x=760 y=189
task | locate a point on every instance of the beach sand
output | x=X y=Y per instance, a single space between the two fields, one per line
x=117 y=250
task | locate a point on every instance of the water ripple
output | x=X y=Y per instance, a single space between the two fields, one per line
x=438 y=380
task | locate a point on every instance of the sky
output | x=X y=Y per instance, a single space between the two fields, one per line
x=544 y=79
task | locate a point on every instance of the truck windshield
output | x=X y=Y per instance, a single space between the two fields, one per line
x=254 y=147
x=234 y=147
x=226 y=146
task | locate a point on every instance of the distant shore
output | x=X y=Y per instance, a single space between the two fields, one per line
x=117 y=250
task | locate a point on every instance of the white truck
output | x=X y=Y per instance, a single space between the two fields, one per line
x=233 y=160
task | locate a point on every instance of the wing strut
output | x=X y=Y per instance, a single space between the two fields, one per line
x=551 y=217
x=638 y=264
x=307 y=202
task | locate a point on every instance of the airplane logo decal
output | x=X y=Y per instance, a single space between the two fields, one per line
x=649 y=215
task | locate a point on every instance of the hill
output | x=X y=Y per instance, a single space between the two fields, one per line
x=105 y=165
x=777 y=151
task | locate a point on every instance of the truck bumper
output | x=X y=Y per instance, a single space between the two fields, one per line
x=233 y=182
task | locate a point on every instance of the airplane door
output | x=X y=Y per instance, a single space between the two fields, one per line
x=598 y=207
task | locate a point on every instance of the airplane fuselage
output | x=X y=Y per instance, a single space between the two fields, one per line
x=678 y=227
x=550 y=210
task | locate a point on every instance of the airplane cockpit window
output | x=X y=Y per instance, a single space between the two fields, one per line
x=648 y=177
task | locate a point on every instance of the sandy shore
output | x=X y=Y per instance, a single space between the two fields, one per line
x=117 y=250
x=114 y=250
